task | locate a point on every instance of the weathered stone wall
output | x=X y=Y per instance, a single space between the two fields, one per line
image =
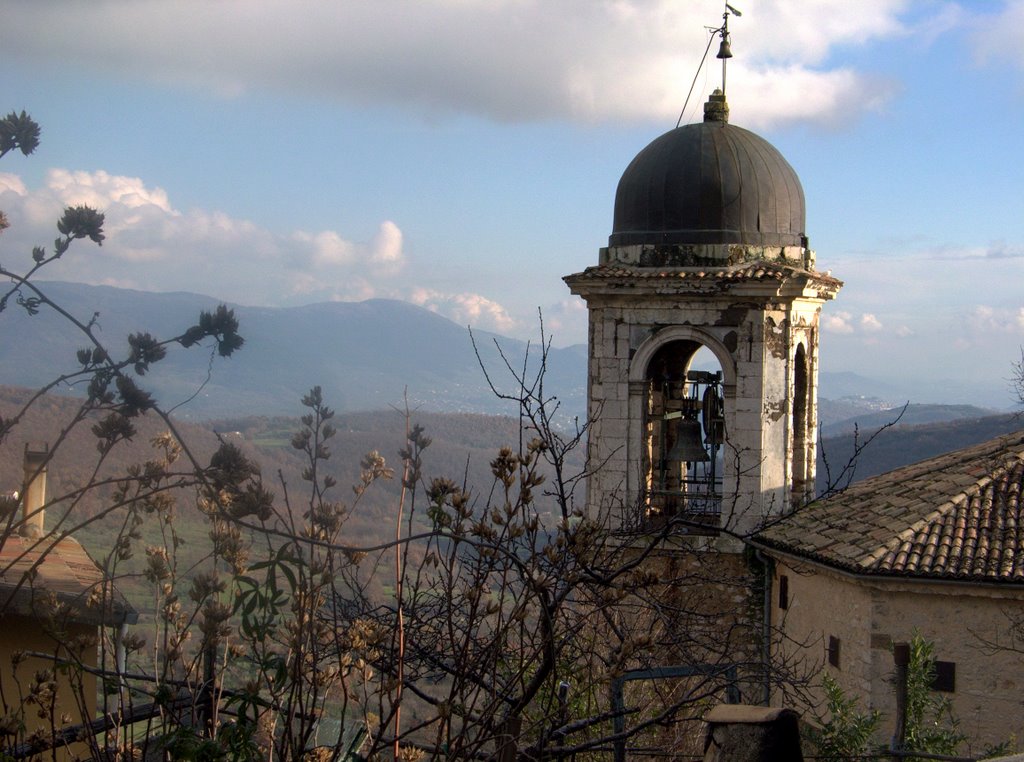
x=755 y=346
x=869 y=615
x=958 y=619
x=820 y=605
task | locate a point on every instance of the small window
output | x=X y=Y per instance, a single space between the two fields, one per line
x=833 y=651
x=945 y=677
x=783 y=591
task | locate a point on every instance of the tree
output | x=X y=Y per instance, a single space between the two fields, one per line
x=110 y=406
x=845 y=731
x=931 y=726
x=1017 y=378
x=510 y=622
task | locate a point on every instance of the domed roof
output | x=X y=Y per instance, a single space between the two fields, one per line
x=709 y=183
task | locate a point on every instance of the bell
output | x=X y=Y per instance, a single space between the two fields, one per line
x=725 y=49
x=688 y=447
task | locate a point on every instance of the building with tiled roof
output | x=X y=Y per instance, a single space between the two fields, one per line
x=936 y=547
x=53 y=600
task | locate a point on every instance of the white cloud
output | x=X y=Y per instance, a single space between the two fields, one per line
x=151 y=245
x=566 y=321
x=12 y=184
x=327 y=248
x=870 y=323
x=386 y=251
x=1000 y=38
x=987 y=319
x=467 y=308
x=838 y=322
x=508 y=60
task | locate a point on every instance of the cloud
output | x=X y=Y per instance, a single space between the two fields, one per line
x=386 y=252
x=838 y=322
x=506 y=60
x=870 y=323
x=844 y=322
x=999 y=38
x=987 y=319
x=151 y=245
x=1002 y=250
x=566 y=321
x=467 y=308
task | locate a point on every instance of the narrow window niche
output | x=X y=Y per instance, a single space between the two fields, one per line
x=833 y=651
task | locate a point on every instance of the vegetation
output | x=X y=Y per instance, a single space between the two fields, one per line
x=494 y=618
x=846 y=731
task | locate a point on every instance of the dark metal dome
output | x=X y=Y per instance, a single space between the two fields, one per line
x=709 y=183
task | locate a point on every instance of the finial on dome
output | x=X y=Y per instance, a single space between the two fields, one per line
x=716 y=109
x=725 y=49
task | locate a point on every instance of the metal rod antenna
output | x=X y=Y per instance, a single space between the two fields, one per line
x=725 y=37
x=725 y=51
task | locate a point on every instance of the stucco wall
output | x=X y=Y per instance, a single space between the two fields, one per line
x=820 y=605
x=869 y=615
x=957 y=619
x=20 y=634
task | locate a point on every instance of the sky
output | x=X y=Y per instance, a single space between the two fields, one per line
x=463 y=154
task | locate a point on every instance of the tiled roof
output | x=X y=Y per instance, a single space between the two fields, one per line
x=956 y=516
x=62 y=569
x=762 y=270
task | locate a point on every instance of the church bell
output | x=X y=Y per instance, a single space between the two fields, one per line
x=688 y=447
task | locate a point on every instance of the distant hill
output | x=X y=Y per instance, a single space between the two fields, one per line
x=870 y=419
x=462 y=447
x=365 y=355
x=904 y=444
x=905 y=385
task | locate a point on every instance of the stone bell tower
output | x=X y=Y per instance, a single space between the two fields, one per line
x=708 y=250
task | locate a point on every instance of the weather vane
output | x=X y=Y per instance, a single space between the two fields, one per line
x=724 y=53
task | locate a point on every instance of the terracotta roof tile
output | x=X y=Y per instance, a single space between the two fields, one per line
x=762 y=270
x=63 y=568
x=956 y=516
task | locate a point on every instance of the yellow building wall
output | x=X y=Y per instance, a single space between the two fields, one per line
x=820 y=606
x=958 y=619
x=21 y=634
x=869 y=615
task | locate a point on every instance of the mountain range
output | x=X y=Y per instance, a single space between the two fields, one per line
x=368 y=355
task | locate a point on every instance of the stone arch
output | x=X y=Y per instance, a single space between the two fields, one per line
x=659 y=419
x=649 y=348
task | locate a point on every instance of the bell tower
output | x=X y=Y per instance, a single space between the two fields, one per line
x=708 y=251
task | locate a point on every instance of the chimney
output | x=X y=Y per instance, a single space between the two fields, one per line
x=34 y=496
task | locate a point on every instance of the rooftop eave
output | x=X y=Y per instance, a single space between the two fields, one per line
x=873 y=573
x=755 y=279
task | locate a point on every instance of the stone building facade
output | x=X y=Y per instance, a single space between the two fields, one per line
x=934 y=548
x=708 y=250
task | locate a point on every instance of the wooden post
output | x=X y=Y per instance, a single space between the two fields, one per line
x=901 y=658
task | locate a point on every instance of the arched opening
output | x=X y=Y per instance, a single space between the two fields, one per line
x=801 y=489
x=684 y=429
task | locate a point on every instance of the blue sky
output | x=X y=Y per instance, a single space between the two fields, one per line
x=463 y=154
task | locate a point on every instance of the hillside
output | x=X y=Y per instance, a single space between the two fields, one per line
x=903 y=444
x=367 y=355
x=462 y=447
